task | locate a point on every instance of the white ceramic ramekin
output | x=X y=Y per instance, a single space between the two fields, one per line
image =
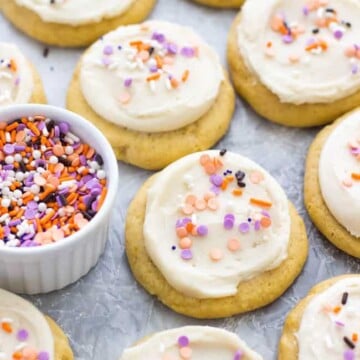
x=52 y=267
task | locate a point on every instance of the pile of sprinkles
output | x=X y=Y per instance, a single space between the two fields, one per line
x=350 y=338
x=153 y=57
x=186 y=352
x=324 y=20
x=8 y=72
x=354 y=150
x=221 y=180
x=22 y=350
x=52 y=184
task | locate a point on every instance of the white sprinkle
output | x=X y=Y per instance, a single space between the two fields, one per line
x=36 y=154
x=53 y=160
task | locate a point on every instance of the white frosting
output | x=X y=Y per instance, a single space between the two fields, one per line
x=161 y=104
x=339 y=164
x=20 y=315
x=76 y=12
x=204 y=343
x=214 y=270
x=294 y=74
x=16 y=80
x=326 y=322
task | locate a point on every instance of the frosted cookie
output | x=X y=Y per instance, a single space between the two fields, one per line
x=73 y=23
x=191 y=342
x=156 y=90
x=332 y=183
x=19 y=81
x=214 y=235
x=221 y=3
x=297 y=61
x=324 y=325
x=25 y=333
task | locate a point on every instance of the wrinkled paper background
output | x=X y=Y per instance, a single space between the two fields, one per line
x=107 y=310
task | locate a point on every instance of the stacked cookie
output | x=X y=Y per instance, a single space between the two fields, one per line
x=212 y=234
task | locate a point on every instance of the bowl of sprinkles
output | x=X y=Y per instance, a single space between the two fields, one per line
x=58 y=184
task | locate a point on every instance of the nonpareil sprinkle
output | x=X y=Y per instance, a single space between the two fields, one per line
x=52 y=183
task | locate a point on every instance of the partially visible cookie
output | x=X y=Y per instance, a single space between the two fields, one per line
x=325 y=324
x=20 y=83
x=25 y=333
x=214 y=235
x=156 y=90
x=73 y=23
x=282 y=55
x=221 y=3
x=332 y=183
x=191 y=342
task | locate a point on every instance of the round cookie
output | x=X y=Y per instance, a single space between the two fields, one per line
x=227 y=243
x=73 y=23
x=331 y=185
x=147 y=88
x=19 y=81
x=200 y=342
x=221 y=3
x=281 y=59
x=332 y=307
x=26 y=333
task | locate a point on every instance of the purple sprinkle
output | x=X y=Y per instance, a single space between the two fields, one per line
x=17 y=81
x=21 y=127
x=338 y=34
x=19 y=147
x=287 y=39
x=158 y=37
x=349 y=355
x=265 y=213
x=179 y=223
x=257 y=225
x=153 y=69
x=14 y=222
x=8 y=167
x=22 y=335
x=202 y=230
x=244 y=227
x=354 y=69
x=215 y=190
x=9 y=149
x=305 y=10
x=32 y=205
x=188 y=52
x=64 y=127
x=172 y=48
x=183 y=341
x=43 y=355
x=108 y=50
x=339 y=323
x=30 y=214
x=128 y=82
x=238 y=355
x=186 y=254
x=106 y=61
x=228 y=223
x=216 y=180
x=230 y=216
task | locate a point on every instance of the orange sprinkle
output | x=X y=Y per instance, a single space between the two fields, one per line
x=354 y=337
x=17 y=355
x=337 y=309
x=185 y=75
x=355 y=176
x=7 y=327
x=237 y=192
x=174 y=83
x=153 y=77
x=13 y=65
x=261 y=203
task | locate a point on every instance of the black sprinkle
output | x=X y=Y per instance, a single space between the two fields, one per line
x=173 y=247
x=240 y=175
x=46 y=52
x=316 y=31
x=87 y=215
x=151 y=51
x=344 y=298
x=50 y=198
x=241 y=184
x=349 y=343
x=330 y=10
x=223 y=152
x=22 y=166
x=98 y=158
x=62 y=200
x=64 y=161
